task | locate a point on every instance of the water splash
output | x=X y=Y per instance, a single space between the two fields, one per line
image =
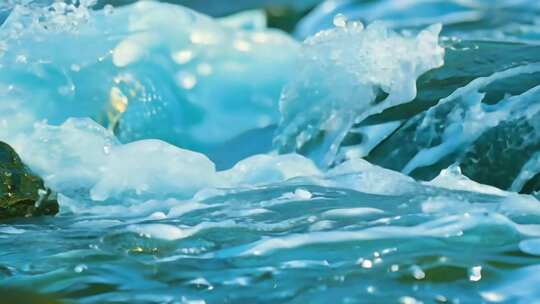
x=342 y=73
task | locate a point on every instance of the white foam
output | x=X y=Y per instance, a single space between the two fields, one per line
x=340 y=75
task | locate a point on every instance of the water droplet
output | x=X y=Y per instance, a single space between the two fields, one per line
x=475 y=274
x=80 y=268
x=242 y=45
x=137 y=249
x=365 y=263
x=418 y=273
x=340 y=20
x=187 y=80
x=356 y=25
x=408 y=300
x=183 y=56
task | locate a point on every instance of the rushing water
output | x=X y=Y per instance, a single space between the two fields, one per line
x=202 y=160
x=285 y=243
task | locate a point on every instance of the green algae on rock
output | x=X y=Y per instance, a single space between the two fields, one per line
x=22 y=194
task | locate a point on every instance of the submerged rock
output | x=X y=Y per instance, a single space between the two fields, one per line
x=22 y=194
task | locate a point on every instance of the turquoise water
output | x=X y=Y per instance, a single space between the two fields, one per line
x=272 y=245
x=201 y=160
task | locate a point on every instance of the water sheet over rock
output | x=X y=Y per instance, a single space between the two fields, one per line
x=478 y=110
x=488 y=125
x=347 y=74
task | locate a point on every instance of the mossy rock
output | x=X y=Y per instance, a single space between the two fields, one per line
x=22 y=193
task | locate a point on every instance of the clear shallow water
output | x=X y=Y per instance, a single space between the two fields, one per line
x=145 y=221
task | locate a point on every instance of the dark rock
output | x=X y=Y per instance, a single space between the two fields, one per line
x=22 y=194
x=499 y=153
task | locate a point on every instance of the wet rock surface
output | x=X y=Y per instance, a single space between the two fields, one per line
x=22 y=194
